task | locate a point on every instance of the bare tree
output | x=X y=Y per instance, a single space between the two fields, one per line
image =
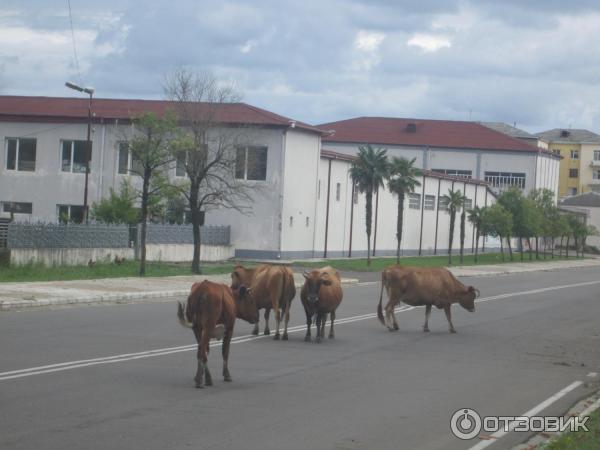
x=208 y=148
x=150 y=157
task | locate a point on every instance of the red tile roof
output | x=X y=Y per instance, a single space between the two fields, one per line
x=56 y=109
x=430 y=133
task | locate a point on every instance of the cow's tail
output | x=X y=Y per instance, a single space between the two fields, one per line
x=379 y=307
x=183 y=320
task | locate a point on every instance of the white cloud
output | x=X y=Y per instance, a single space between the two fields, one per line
x=366 y=49
x=428 y=42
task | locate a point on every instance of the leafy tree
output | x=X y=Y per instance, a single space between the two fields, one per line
x=402 y=180
x=368 y=172
x=118 y=208
x=475 y=216
x=512 y=200
x=496 y=221
x=455 y=201
x=149 y=146
x=543 y=202
x=206 y=150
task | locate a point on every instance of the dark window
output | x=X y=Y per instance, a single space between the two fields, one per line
x=455 y=172
x=443 y=203
x=414 y=201
x=429 y=202
x=338 y=191
x=251 y=163
x=17 y=207
x=74 y=156
x=574 y=154
x=20 y=154
x=180 y=164
x=70 y=213
x=468 y=204
x=504 y=180
x=573 y=173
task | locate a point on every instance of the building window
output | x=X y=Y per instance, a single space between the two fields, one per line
x=596 y=174
x=596 y=155
x=128 y=163
x=291 y=221
x=429 y=202
x=574 y=154
x=180 y=162
x=468 y=204
x=467 y=174
x=73 y=154
x=443 y=203
x=70 y=213
x=556 y=151
x=572 y=191
x=414 y=201
x=17 y=207
x=338 y=191
x=307 y=221
x=20 y=154
x=504 y=180
x=573 y=173
x=251 y=163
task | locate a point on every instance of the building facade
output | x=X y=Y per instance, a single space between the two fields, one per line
x=580 y=164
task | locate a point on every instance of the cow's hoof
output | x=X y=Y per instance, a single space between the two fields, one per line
x=307 y=339
x=425 y=330
x=227 y=378
x=199 y=386
x=395 y=327
x=276 y=337
x=392 y=329
x=255 y=332
x=284 y=337
x=452 y=330
x=266 y=333
x=318 y=340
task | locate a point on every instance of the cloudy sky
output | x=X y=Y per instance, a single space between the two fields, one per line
x=533 y=62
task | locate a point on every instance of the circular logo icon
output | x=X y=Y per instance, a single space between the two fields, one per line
x=465 y=423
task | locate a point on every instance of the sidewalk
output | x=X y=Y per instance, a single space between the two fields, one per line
x=16 y=296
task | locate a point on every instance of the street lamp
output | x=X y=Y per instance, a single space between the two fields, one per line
x=88 y=147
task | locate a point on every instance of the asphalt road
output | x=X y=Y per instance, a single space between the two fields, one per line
x=367 y=389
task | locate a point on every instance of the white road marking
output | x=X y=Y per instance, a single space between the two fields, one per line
x=236 y=340
x=532 y=412
x=592 y=374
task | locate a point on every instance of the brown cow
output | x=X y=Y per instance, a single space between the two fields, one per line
x=271 y=287
x=321 y=295
x=210 y=312
x=423 y=287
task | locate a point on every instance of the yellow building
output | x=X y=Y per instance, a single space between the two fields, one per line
x=580 y=163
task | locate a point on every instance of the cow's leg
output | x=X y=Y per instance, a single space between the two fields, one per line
x=323 y=323
x=267 y=313
x=318 y=324
x=200 y=357
x=449 y=317
x=204 y=344
x=332 y=318
x=390 y=317
x=427 y=314
x=307 y=338
x=256 y=323
x=277 y=322
x=286 y=319
x=225 y=353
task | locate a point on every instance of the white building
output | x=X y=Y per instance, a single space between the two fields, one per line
x=304 y=207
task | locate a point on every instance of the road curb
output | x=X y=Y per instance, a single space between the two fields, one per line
x=124 y=297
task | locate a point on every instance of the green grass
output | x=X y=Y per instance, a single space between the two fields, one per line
x=377 y=264
x=581 y=440
x=37 y=272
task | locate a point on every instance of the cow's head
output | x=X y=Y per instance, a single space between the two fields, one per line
x=313 y=282
x=238 y=277
x=244 y=304
x=467 y=300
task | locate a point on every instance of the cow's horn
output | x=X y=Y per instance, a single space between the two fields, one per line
x=477 y=292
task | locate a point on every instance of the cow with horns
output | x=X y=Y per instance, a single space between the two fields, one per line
x=321 y=295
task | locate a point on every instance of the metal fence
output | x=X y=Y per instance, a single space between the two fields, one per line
x=50 y=235
x=3 y=232
x=182 y=234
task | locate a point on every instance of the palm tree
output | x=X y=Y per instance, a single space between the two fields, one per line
x=368 y=172
x=475 y=219
x=455 y=200
x=402 y=180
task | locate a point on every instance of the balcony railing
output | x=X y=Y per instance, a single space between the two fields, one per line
x=595 y=163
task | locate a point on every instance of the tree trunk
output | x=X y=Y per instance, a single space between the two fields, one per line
x=522 y=249
x=476 y=242
x=552 y=249
x=530 y=250
x=501 y=248
x=145 y=195
x=399 y=224
x=368 y=217
x=510 y=252
x=537 y=253
x=462 y=234
x=451 y=236
x=194 y=209
x=567 y=248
